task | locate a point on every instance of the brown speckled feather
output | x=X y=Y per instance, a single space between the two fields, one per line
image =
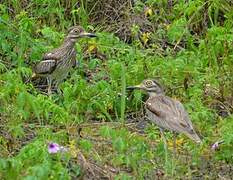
x=45 y=67
x=56 y=64
x=51 y=55
x=52 y=59
x=170 y=114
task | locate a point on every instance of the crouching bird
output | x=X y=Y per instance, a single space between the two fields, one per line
x=166 y=112
x=56 y=64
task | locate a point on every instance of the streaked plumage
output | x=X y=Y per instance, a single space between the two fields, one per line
x=166 y=112
x=56 y=65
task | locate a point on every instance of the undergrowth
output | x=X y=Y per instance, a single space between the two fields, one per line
x=187 y=46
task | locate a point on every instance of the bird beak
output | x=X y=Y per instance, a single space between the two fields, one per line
x=135 y=87
x=86 y=34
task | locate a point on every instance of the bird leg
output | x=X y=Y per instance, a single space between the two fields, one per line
x=174 y=153
x=174 y=144
x=57 y=87
x=49 y=80
x=165 y=149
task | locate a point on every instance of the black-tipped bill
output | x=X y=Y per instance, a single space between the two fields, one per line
x=85 y=34
x=134 y=87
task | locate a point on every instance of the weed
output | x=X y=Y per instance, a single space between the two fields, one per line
x=186 y=45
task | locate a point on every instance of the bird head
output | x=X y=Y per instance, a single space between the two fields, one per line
x=152 y=87
x=76 y=32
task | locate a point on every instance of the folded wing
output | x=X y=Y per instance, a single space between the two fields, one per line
x=170 y=114
x=45 y=67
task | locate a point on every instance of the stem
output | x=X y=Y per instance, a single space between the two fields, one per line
x=165 y=150
x=123 y=87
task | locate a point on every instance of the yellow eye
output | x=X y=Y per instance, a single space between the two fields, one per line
x=148 y=83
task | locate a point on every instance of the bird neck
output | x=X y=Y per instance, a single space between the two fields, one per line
x=69 y=43
x=153 y=93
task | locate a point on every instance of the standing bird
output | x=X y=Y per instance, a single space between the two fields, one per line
x=166 y=112
x=56 y=65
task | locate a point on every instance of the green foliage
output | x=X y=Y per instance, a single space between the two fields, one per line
x=34 y=162
x=85 y=145
x=226 y=151
x=189 y=49
x=129 y=150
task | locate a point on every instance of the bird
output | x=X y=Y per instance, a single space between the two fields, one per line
x=56 y=64
x=167 y=113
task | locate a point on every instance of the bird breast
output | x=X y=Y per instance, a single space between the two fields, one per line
x=64 y=64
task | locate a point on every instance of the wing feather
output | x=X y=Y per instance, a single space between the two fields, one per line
x=45 y=67
x=171 y=113
x=183 y=114
x=51 y=55
x=55 y=54
x=156 y=111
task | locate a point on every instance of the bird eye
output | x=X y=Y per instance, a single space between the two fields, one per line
x=148 y=83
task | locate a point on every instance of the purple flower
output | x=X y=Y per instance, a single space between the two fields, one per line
x=216 y=145
x=55 y=148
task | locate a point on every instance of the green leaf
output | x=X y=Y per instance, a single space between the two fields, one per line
x=85 y=145
x=106 y=131
x=119 y=144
